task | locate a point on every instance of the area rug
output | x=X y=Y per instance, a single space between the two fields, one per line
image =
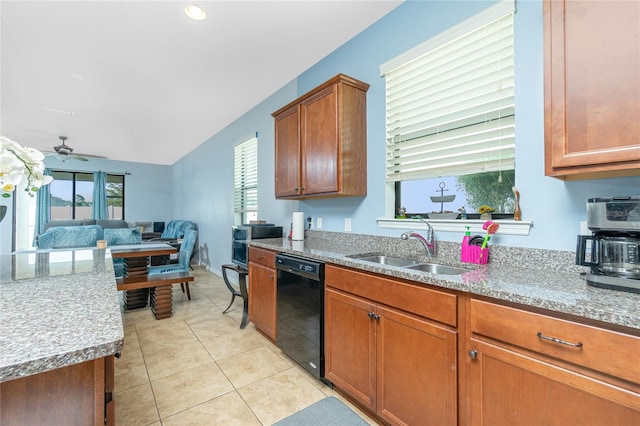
x=326 y=412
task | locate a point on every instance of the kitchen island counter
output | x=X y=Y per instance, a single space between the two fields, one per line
x=57 y=308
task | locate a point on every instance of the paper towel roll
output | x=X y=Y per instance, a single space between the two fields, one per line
x=298 y=226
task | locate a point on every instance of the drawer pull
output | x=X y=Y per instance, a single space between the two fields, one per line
x=556 y=340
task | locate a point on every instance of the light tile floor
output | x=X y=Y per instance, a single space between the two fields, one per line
x=199 y=368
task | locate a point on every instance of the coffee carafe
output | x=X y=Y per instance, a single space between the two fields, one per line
x=613 y=249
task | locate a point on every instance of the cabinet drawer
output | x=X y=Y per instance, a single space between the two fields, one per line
x=591 y=347
x=263 y=257
x=428 y=303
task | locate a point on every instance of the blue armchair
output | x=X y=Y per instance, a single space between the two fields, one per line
x=176 y=229
x=186 y=249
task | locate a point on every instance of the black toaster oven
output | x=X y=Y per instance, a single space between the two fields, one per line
x=241 y=234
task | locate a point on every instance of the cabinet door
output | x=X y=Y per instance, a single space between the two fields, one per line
x=262 y=299
x=592 y=88
x=514 y=389
x=416 y=370
x=320 y=159
x=287 y=153
x=350 y=359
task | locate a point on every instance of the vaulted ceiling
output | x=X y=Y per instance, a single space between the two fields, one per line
x=140 y=81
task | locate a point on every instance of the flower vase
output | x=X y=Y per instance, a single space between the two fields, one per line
x=485 y=216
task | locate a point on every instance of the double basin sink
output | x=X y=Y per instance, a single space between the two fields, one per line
x=433 y=268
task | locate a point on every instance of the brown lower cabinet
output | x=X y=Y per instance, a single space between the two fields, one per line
x=399 y=365
x=79 y=394
x=391 y=344
x=262 y=291
x=532 y=369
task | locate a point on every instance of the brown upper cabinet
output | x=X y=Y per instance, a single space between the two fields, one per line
x=592 y=88
x=321 y=142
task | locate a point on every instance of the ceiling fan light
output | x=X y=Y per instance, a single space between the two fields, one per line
x=195 y=12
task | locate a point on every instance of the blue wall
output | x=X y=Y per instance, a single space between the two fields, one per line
x=203 y=180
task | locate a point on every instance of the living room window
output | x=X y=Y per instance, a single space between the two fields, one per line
x=72 y=195
x=450 y=117
x=246 y=181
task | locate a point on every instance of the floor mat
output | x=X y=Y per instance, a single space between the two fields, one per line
x=327 y=412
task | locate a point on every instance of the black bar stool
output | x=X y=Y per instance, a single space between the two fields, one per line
x=242 y=283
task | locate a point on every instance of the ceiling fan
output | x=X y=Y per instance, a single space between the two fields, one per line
x=65 y=152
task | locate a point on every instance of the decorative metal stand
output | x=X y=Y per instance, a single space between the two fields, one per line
x=442 y=198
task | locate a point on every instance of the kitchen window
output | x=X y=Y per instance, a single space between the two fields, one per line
x=450 y=116
x=246 y=181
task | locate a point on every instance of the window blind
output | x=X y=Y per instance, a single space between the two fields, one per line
x=450 y=104
x=246 y=176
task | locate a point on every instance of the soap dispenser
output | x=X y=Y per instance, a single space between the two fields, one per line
x=464 y=250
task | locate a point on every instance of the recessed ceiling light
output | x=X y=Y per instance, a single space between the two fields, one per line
x=195 y=12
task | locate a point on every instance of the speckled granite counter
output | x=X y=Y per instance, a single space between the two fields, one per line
x=546 y=287
x=57 y=308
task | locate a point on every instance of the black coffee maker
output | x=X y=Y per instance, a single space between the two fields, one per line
x=613 y=250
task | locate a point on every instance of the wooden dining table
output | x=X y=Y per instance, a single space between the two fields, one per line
x=138 y=286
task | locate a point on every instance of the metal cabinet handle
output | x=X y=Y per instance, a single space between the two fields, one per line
x=473 y=354
x=270 y=277
x=370 y=314
x=373 y=316
x=560 y=341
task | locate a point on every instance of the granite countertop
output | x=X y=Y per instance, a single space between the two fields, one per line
x=57 y=308
x=565 y=292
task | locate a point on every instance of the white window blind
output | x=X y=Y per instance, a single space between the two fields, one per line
x=246 y=177
x=450 y=101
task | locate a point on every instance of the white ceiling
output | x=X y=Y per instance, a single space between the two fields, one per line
x=139 y=81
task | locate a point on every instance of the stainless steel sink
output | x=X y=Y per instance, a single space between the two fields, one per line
x=435 y=268
x=388 y=260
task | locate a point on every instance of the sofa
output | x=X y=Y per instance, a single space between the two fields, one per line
x=104 y=223
x=87 y=236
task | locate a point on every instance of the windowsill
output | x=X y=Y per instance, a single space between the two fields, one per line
x=507 y=226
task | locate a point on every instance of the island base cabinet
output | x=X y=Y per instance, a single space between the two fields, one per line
x=398 y=365
x=515 y=389
x=79 y=394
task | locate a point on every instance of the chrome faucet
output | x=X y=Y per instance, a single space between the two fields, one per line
x=429 y=243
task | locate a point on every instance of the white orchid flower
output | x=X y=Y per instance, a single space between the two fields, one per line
x=17 y=161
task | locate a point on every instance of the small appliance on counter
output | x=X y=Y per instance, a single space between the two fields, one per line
x=240 y=234
x=613 y=249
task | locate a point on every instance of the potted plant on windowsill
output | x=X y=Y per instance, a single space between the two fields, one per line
x=485 y=212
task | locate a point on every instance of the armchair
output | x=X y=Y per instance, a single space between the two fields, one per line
x=175 y=229
x=186 y=249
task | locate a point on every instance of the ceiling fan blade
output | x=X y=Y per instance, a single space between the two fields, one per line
x=77 y=157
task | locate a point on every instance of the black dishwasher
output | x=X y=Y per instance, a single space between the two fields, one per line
x=300 y=311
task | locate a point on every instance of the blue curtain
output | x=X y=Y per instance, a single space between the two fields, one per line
x=43 y=209
x=99 y=209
